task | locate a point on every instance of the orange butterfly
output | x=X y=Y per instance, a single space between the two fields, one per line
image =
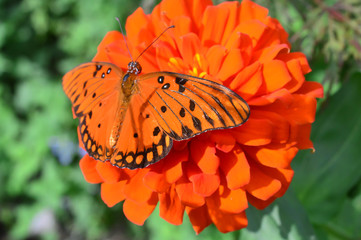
x=132 y=120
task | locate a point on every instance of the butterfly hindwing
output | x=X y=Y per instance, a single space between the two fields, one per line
x=141 y=141
x=185 y=106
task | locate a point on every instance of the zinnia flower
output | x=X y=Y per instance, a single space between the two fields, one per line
x=214 y=176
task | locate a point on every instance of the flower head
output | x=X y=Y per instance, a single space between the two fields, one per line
x=214 y=176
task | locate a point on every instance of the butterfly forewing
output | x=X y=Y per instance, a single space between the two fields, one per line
x=185 y=106
x=93 y=89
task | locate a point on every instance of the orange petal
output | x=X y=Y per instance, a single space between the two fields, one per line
x=301 y=109
x=187 y=195
x=230 y=9
x=109 y=38
x=276 y=75
x=136 y=212
x=156 y=181
x=170 y=207
x=312 y=89
x=215 y=57
x=283 y=175
x=270 y=53
x=189 y=46
x=305 y=67
x=253 y=28
x=223 y=139
x=228 y=201
x=281 y=94
x=112 y=193
x=199 y=218
x=184 y=25
x=172 y=167
x=258 y=203
x=212 y=28
x=135 y=24
x=232 y=64
x=300 y=134
x=136 y=190
x=88 y=167
x=204 y=155
x=108 y=172
x=163 y=54
x=245 y=75
x=233 y=201
x=295 y=69
x=117 y=54
x=238 y=40
x=274 y=155
x=174 y=9
x=261 y=185
x=227 y=222
x=250 y=10
x=280 y=126
x=235 y=167
x=218 y=22
x=203 y=184
x=255 y=132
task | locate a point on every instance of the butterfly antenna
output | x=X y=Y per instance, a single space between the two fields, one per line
x=126 y=44
x=154 y=41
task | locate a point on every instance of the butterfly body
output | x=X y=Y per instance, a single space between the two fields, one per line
x=132 y=120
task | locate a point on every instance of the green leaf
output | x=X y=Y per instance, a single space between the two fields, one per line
x=323 y=179
x=284 y=219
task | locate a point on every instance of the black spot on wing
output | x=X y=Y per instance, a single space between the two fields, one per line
x=197 y=123
x=180 y=81
x=186 y=132
x=161 y=79
x=156 y=131
x=192 y=105
x=166 y=86
x=182 y=112
x=210 y=120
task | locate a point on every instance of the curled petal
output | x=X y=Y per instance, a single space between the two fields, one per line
x=255 y=132
x=203 y=154
x=187 y=194
x=108 y=172
x=199 y=218
x=228 y=201
x=226 y=222
x=136 y=190
x=235 y=167
x=112 y=193
x=137 y=212
x=88 y=167
x=261 y=185
x=170 y=207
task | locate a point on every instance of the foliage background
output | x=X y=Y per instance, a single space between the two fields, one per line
x=42 y=192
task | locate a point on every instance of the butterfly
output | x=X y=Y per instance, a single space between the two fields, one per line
x=132 y=120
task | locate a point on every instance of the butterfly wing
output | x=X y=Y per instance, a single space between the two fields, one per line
x=185 y=106
x=93 y=89
x=141 y=141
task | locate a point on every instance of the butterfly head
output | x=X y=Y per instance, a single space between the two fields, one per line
x=134 y=68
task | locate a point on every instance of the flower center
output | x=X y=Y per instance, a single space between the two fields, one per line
x=179 y=66
x=198 y=67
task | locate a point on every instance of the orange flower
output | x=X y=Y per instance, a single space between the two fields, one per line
x=214 y=176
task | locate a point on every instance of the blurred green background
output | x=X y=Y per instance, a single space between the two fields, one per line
x=42 y=192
